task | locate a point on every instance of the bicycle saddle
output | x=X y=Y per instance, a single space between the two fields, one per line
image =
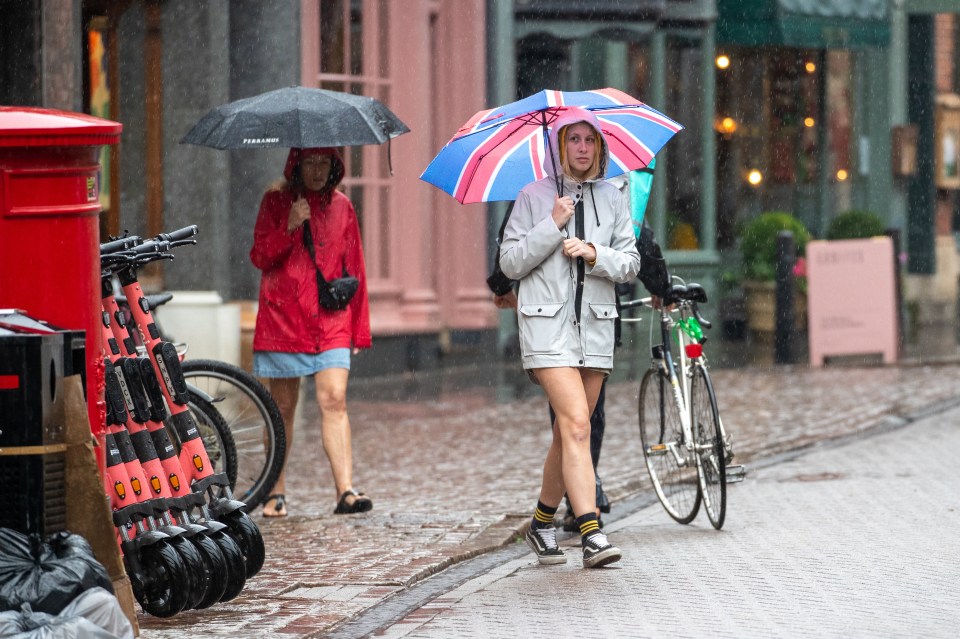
x=692 y=292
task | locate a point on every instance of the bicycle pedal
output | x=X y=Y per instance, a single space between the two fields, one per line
x=657 y=450
x=736 y=473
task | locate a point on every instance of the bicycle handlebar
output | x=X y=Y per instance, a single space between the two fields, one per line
x=704 y=322
x=688 y=295
x=635 y=303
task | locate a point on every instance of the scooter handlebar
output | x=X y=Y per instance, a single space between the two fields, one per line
x=179 y=235
x=121 y=244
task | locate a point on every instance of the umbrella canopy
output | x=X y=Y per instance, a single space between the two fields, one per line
x=501 y=150
x=296 y=117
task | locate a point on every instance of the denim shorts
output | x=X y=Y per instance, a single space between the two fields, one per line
x=273 y=364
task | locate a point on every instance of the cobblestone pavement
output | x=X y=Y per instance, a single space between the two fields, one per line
x=858 y=540
x=454 y=474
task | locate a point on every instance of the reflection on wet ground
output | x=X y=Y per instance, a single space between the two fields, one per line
x=502 y=379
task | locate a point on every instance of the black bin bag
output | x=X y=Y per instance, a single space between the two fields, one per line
x=49 y=574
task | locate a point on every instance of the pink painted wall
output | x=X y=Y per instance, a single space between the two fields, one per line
x=429 y=251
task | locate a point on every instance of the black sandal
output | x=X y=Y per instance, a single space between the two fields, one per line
x=279 y=506
x=360 y=504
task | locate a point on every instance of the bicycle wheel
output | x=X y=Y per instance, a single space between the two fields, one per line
x=672 y=470
x=253 y=419
x=216 y=435
x=711 y=459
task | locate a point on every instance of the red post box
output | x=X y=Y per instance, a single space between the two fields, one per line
x=49 y=227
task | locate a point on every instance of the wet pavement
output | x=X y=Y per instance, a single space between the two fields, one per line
x=854 y=540
x=454 y=468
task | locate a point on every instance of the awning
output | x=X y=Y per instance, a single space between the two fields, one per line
x=810 y=24
x=601 y=10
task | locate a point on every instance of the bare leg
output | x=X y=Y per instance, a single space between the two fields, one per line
x=332 y=399
x=285 y=392
x=573 y=394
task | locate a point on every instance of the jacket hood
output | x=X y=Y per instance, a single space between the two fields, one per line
x=572 y=115
x=297 y=155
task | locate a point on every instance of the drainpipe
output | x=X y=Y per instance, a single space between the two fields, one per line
x=921 y=195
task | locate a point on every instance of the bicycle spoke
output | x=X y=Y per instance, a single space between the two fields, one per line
x=253 y=419
x=711 y=456
x=672 y=471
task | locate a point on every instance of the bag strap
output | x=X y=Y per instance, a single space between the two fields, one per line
x=308 y=243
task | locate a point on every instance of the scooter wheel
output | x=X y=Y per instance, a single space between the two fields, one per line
x=197 y=575
x=236 y=570
x=216 y=566
x=245 y=532
x=159 y=579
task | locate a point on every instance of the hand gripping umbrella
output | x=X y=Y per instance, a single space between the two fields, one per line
x=501 y=150
x=296 y=117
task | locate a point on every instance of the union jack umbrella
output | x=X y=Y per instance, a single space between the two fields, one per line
x=501 y=150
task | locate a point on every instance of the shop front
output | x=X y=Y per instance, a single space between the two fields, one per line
x=660 y=51
x=801 y=120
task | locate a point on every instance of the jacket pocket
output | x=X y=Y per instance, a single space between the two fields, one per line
x=540 y=328
x=600 y=329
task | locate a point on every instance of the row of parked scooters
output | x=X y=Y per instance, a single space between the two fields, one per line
x=186 y=542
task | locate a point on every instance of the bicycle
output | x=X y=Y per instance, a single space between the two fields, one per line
x=685 y=448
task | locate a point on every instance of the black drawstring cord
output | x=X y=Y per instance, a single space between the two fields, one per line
x=594 y=198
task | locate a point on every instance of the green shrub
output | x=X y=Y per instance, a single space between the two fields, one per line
x=854 y=225
x=758 y=243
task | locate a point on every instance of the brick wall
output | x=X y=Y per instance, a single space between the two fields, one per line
x=944 y=52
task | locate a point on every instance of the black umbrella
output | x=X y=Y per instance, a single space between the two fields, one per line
x=296 y=117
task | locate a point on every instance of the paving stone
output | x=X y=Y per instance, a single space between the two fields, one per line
x=858 y=540
x=455 y=475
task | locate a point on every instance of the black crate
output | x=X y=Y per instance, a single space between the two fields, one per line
x=33 y=498
x=31 y=388
x=32 y=415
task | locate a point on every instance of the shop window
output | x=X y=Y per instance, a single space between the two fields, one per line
x=543 y=62
x=353 y=51
x=684 y=95
x=784 y=126
x=97 y=96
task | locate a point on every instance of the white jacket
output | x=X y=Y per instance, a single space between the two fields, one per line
x=531 y=252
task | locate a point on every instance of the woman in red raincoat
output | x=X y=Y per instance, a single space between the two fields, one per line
x=295 y=335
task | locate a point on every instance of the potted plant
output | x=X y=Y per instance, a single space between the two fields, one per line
x=758 y=246
x=855 y=225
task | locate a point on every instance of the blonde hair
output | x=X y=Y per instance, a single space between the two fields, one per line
x=594 y=170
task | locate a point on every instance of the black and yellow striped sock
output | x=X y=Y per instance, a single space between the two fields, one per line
x=543 y=515
x=588 y=525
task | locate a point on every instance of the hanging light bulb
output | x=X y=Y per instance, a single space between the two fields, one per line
x=726 y=126
x=809 y=122
x=723 y=61
x=754 y=177
x=842 y=175
x=810 y=66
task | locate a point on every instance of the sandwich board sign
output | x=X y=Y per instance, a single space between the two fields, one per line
x=851 y=299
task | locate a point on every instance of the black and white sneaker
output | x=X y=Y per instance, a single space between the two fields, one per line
x=543 y=542
x=597 y=551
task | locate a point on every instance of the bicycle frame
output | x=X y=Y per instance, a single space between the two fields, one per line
x=679 y=372
x=686 y=331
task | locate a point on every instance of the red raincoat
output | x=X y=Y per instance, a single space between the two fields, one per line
x=290 y=318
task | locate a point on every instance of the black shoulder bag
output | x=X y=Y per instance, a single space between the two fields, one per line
x=335 y=295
